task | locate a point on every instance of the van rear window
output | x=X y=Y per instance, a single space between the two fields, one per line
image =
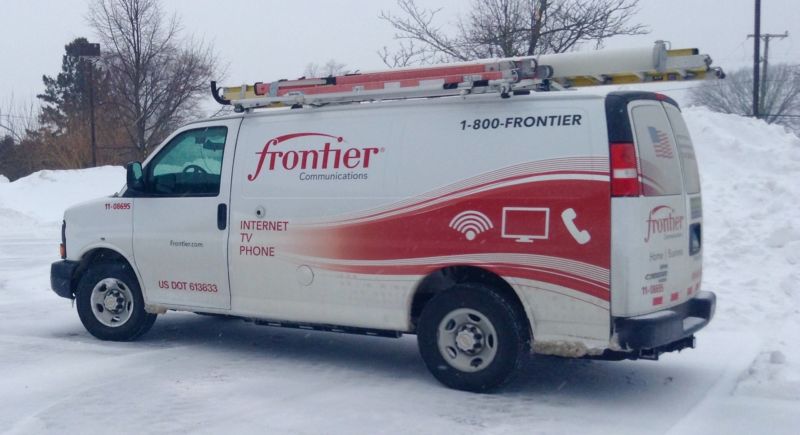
x=661 y=173
x=685 y=149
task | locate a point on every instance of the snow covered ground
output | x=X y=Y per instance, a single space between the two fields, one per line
x=210 y=375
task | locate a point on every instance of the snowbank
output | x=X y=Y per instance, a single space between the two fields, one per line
x=749 y=172
x=751 y=204
x=3 y=179
x=43 y=196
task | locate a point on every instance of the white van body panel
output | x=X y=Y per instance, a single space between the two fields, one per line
x=336 y=215
x=351 y=251
x=180 y=253
x=88 y=232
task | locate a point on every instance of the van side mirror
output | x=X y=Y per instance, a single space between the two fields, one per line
x=135 y=176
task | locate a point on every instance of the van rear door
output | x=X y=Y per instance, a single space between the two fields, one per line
x=694 y=204
x=650 y=233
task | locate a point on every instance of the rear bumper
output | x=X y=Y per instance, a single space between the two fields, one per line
x=661 y=329
x=61 y=274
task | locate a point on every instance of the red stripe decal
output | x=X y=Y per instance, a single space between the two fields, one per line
x=658 y=300
x=423 y=202
x=560 y=278
x=386 y=241
x=529 y=169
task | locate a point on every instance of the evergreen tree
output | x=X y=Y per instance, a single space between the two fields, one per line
x=66 y=96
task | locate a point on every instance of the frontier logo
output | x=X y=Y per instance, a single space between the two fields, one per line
x=328 y=156
x=662 y=221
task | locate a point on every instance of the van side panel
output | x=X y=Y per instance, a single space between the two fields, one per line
x=338 y=214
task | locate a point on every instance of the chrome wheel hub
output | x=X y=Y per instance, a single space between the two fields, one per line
x=467 y=340
x=112 y=302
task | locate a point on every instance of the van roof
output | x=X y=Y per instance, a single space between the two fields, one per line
x=592 y=93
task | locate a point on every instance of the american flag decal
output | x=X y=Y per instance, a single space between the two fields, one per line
x=661 y=143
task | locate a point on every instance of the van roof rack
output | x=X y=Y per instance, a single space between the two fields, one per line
x=506 y=76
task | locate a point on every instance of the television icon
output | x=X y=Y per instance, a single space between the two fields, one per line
x=526 y=224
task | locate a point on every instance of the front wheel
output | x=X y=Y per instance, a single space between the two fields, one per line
x=472 y=338
x=110 y=303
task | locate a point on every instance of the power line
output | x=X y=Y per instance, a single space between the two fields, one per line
x=766 y=37
x=735 y=50
x=18 y=116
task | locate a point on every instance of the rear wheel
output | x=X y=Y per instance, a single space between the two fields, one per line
x=472 y=338
x=110 y=303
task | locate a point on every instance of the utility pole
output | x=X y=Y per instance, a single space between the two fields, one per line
x=83 y=51
x=756 y=58
x=766 y=38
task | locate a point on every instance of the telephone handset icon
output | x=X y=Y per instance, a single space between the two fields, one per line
x=580 y=236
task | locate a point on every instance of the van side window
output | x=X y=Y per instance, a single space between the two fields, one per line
x=661 y=173
x=190 y=164
x=685 y=149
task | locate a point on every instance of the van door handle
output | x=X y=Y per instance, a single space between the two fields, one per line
x=222 y=216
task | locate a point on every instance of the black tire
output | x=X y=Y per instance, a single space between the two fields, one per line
x=132 y=321
x=492 y=316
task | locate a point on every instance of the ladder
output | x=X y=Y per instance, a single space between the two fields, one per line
x=507 y=76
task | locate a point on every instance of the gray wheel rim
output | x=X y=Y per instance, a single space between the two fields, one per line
x=467 y=340
x=112 y=302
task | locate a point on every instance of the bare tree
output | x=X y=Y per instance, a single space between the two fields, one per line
x=504 y=28
x=780 y=98
x=330 y=68
x=28 y=142
x=18 y=123
x=156 y=76
x=18 y=120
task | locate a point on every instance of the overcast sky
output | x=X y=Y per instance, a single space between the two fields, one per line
x=267 y=40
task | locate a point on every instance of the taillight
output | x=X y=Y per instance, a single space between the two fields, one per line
x=624 y=170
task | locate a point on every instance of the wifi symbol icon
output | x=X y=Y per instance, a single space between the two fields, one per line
x=470 y=223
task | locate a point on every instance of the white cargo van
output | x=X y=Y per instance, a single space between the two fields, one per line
x=564 y=223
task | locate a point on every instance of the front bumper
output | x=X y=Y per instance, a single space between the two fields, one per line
x=61 y=275
x=667 y=328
